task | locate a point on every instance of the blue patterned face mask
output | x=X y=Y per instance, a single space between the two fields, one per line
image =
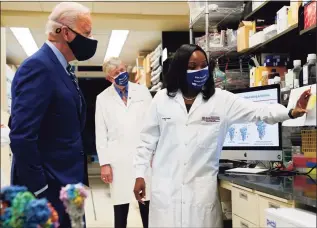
x=197 y=78
x=122 y=79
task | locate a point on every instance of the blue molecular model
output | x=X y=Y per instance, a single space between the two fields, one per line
x=231 y=133
x=261 y=129
x=244 y=132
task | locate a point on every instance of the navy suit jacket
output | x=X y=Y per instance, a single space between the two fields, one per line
x=46 y=124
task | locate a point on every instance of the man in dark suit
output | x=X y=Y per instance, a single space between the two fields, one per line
x=48 y=110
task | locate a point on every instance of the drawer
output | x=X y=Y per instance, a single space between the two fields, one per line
x=245 y=204
x=238 y=222
x=265 y=203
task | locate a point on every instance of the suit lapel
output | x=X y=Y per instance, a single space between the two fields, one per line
x=83 y=112
x=65 y=78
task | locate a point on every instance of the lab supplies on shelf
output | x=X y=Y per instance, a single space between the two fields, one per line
x=256 y=39
x=219 y=42
x=310 y=15
x=270 y=31
x=282 y=19
x=245 y=29
x=157 y=87
x=308 y=73
x=156 y=67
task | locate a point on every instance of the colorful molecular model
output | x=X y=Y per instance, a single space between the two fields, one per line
x=19 y=208
x=261 y=129
x=231 y=133
x=73 y=197
x=244 y=131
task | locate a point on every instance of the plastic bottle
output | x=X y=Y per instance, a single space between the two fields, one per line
x=296 y=72
x=289 y=79
x=272 y=76
x=308 y=73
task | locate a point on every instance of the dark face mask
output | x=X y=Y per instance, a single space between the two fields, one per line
x=82 y=47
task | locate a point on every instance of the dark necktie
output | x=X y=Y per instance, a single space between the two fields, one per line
x=71 y=72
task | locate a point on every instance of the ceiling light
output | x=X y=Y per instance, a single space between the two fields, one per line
x=116 y=42
x=25 y=38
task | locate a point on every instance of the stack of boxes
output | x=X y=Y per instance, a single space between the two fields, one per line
x=140 y=72
x=310 y=14
x=287 y=16
x=258 y=78
x=155 y=59
x=309 y=145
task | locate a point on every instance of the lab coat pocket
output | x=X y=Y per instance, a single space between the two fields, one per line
x=205 y=191
x=207 y=134
x=161 y=192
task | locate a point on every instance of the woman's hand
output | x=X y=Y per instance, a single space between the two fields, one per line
x=139 y=190
x=301 y=104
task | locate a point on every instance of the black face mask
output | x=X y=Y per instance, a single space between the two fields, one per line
x=82 y=47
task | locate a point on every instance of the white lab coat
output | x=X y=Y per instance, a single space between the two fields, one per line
x=5 y=139
x=187 y=150
x=5 y=142
x=117 y=135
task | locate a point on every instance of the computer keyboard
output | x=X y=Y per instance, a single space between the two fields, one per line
x=246 y=170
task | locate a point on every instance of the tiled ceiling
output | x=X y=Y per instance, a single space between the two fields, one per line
x=145 y=20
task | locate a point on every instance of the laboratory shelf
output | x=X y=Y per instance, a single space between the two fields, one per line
x=228 y=15
x=267 y=10
x=274 y=44
x=311 y=30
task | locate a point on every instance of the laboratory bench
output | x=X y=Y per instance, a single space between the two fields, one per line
x=249 y=195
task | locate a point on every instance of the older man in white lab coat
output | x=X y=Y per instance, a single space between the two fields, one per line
x=120 y=111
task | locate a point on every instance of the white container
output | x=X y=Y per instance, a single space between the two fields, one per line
x=282 y=20
x=289 y=217
x=256 y=39
x=256 y=4
x=311 y=59
x=296 y=72
x=289 y=79
x=277 y=80
x=270 y=31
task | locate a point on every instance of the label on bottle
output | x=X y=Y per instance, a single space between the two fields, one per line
x=305 y=75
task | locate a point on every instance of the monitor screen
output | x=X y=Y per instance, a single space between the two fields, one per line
x=258 y=135
x=255 y=141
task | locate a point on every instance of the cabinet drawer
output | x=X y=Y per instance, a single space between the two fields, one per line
x=245 y=205
x=265 y=203
x=238 y=222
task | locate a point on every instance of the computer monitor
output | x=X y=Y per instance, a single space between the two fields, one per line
x=255 y=141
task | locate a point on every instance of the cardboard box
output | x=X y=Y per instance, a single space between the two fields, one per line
x=243 y=33
x=310 y=15
x=282 y=19
x=147 y=64
x=293 y=12
x=139 y=61
x=256 y=75
x=148 y=82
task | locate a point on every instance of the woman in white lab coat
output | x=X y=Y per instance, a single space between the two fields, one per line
x=185 y=129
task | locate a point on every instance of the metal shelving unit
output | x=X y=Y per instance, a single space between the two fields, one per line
x=210 y=17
